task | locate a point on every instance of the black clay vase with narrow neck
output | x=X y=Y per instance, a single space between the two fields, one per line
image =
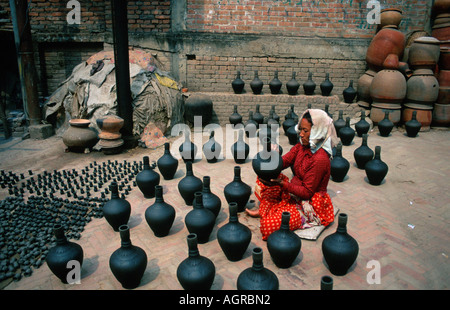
x=257 y=277
x=238 y=84
x=326 y=86
x=413 y=126
x=257 y=116
x=234 y=237
x=189 y=185
x=363 y=154
x=339 y=165
x=256 y=84
x=167 y=164
x=128 y=263
x=212 y=149
x=237 y=190
x=340 y=122
x=62 y=253
x=160 y=215
x=284 y=245
x=347 y=133
x=275 y=116
x=235 y=118
x=309 y=86
x=376 y=169
x=148 y=178
x=240 y=149
x=385 y=126
x=211 y=201
x=291 y=114
x=117 y=210
x=349 y=93
x=250 y=126
x=187 y=149
x=275 y=84
x=200 y=220
x=362 y=126
x=289 y=122
x=293 y=85
x=196 y=272
x=268 y=163
x=339 y=249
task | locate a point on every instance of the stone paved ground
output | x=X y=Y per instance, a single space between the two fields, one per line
x=403 y=224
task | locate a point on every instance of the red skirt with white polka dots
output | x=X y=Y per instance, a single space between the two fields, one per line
x=274 y=201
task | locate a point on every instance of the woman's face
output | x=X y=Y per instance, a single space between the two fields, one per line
x=305 y=131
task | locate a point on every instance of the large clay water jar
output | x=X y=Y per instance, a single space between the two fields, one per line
x=441 y=115
x=388 y=86
x=364 y=83
x=79 y=136
x=386 y=41
x=422 y=87
x=424 y=114
x=424 y=53
x=390 y=17
x=441 y=32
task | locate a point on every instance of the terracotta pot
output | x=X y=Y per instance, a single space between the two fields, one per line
x=422 y=87
x=388 y=86
x=79 y=135
x=377 y=112
x=444 y=78
x=390 y=17
x=110 y=127
x=424 y=114
x=444 y=58
x=386 y=41
x=441 y=32
x=391 y=62
x=441 y=19
x=441 y=115
x=424 y=53
x=364 y=86
x=444 y=95
x=440 y=7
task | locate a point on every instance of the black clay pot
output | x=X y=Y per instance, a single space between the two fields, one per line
x=284 y=245
x=167 y=164
x=275 y=116
x=339 y=249
x=147 y=179
x=187 y=149
x=362 y=126
x=257 y=277
x=199 y=105
x=211 y=201
x=292 y=114
x=234 y=237
x=160 y=215
x=292 y=86
x=250 y=126
x=128 y=263
x=339 y=165
x=349 y=93
x=268 y=163
x=237 y=191
x=63 y=252
x=117 y=210
x=347 y=133
x=364 y=153
x=200 y=220
x=309 y=86
x=238 y=84
x=385 y=126
x=413 y=126
x=257 y=116
x=340 y=122
x=240 y=149
x=196 y=272
x=288 y=122
x=376 y=169
x=326 y=283
x=256 y=84
x=212 y=149
x=292 y=135
x=235 y=118
x=189 y=185
x=275 y=84
x=326 y=86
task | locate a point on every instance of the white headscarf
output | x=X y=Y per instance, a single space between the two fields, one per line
x=323 y=134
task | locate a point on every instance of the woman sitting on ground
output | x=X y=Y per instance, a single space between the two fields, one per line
x=305 y=196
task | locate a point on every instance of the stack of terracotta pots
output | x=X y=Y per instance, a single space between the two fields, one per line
x=440 y=15
x=383 y=86
x=111 y=141
x=423 y=87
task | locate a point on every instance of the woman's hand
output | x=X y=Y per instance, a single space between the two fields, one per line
x=279 y=182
